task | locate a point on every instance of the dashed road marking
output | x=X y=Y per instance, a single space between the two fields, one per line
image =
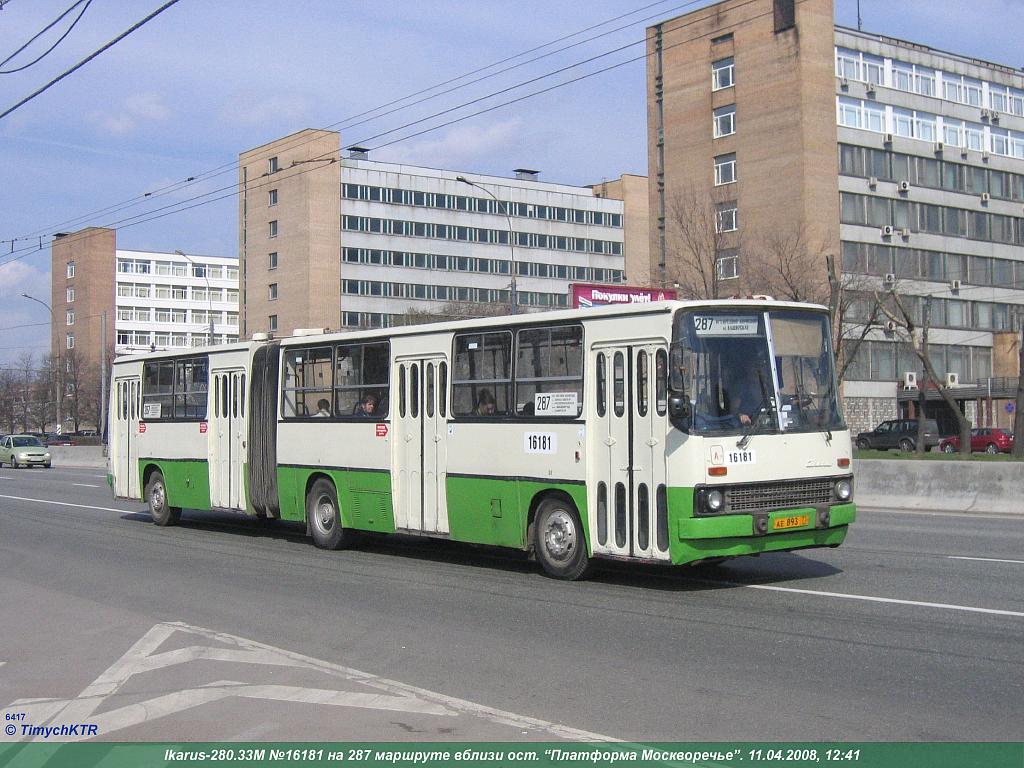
x=986 y=559
x=893 y=600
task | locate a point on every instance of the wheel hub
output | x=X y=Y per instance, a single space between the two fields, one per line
x=324 y=514
x=157 y=497
x=559 y=535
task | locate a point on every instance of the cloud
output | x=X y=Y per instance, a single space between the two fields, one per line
x=459 y=147
x=136 y=111
x=258 y=110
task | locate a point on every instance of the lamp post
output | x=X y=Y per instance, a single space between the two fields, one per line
x=209 y=296
x=514 y=297
x=60 y=372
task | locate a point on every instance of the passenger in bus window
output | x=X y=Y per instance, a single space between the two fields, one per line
x=367 y=407
x=324 y=406
x=485 y=404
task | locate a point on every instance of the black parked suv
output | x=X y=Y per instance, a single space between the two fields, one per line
x=899 y=433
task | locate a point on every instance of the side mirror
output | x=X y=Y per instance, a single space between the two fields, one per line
x=679 y=412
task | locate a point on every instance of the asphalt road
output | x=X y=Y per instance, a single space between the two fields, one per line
x=223 y=629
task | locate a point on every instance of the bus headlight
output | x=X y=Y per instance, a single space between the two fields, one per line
x=843 y=489
x=715 y=500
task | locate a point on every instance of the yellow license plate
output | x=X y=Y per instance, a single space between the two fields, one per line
x=792 y=521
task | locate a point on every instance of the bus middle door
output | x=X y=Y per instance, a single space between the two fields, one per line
x=124 y=447
x=628 y=450
x=420 y=445
x=227 y=440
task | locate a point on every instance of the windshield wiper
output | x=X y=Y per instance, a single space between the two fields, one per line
x=754 y=423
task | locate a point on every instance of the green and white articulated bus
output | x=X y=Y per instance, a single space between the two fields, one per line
x=673 y=432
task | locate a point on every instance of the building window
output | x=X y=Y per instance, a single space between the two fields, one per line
x=726 y=219
x=71 y=295
x=725 y=121
x=71 y=269
x=273 y=291
x=272 y=322
x=272 y=165
x=725 y=169
x=272 y=260
x=722 y=75
x=71 y=317
x=71 y=341
x=273 y=197
x=273 y=228
x=728 y=265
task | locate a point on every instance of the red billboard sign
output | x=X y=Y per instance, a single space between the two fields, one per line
x=585 y=295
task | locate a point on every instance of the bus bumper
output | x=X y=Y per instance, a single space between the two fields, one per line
x=734 y=535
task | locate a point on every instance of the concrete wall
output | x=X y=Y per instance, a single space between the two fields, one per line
x=952 y=486
x=78 y=456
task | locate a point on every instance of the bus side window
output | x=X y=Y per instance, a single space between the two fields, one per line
x=241 y=396
x=442 y=389
x=602 y=386
x=661 y=382
x=619 y=383
x=641 y=383
x=414 y=391
x=428 y=379
x=401 y=391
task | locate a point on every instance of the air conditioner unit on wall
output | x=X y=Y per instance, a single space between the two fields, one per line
x=890 y=325
x=887 y=138
x=952 y=379
x=887 y=230
x=910 y=380
x=872 y=181
x=890 y=278
x=954 y=286
x=904 y=186
x=985 y=197
x=939 y=146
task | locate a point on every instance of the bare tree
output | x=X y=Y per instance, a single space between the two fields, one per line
x=786 y=263
x=24 y=374
x=458 y=310
x=903 y=326
x=695 y=245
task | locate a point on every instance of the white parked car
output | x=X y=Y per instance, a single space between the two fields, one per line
x=23 y=451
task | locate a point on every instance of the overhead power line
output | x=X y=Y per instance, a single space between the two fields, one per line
x=347 y=122
x=45 y=53
x=234 y=188
x=88 y=58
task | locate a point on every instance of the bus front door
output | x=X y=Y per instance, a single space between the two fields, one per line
x=227 y=435
x=124 y=447
x=420 y=451
x=629 y=414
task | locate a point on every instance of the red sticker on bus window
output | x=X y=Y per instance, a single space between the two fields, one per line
x=202 y=427
x=142 y=427
x=382 y=430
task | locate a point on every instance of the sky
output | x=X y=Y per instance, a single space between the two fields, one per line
x=184 y=94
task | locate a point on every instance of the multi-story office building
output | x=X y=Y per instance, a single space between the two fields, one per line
x=161 y=300
x=905 y=161
x=333 y=242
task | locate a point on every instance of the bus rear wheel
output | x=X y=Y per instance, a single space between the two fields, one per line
x=559 y=542
x=324 y=516
x=156 y=495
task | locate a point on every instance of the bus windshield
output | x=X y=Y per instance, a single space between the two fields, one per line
x=741 y=369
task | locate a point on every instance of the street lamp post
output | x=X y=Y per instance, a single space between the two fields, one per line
x=209 y=296
x=514 y=297
x=60 y=372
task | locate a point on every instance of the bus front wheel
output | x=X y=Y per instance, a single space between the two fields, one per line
x=559 y=542
x=324 y=516
x=156 y=495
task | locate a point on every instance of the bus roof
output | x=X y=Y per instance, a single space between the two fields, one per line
x=526 y=318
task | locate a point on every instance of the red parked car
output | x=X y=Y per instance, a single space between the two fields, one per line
x=987 y=440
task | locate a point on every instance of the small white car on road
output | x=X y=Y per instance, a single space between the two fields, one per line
x=23 y=451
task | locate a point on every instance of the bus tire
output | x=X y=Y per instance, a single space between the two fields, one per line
x=559 y=543
x=156 y=496
x=323 y=516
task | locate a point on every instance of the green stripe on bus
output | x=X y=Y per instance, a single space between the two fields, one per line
x=187 y=481
x=495 y=511
x=363 y=495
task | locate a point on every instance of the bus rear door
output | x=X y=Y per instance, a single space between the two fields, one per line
x=420 y=452
x=227 y=432
x=124 y=447
x=627 y=446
